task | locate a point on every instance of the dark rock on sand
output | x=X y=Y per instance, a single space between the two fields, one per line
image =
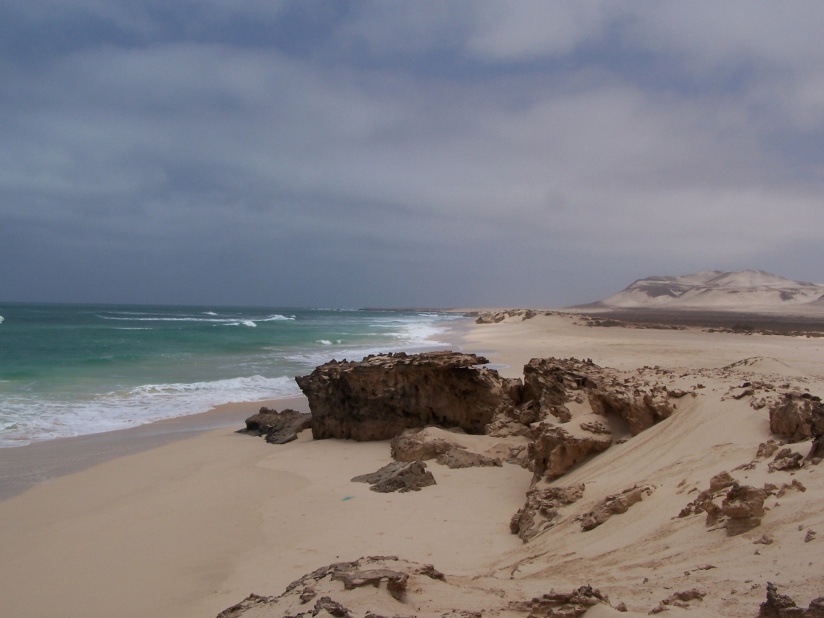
x=278 y=427
x=398 y=476
x=380 y=396
x=782 y=606
x=614 y=505
x=797 y=417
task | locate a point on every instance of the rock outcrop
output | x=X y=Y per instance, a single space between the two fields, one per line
x=556 y=449
x=741 y=507
x=380 y=396
x=398 y=476
x=278 y=427
x=782 y=606
x=797 y=417
x=542 y=509
x=614 y=505
x=554 y=384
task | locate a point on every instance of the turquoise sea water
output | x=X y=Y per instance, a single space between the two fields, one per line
x=76 y=369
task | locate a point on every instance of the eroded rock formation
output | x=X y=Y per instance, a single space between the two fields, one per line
x=380 y=396
x=543 y=509
x=797 y=417
x=782 y=606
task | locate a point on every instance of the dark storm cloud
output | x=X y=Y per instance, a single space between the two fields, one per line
x=353 y=153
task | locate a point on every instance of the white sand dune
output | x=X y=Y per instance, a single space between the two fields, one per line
x=748 y=290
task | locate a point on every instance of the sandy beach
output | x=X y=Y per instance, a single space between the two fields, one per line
x=189 y=524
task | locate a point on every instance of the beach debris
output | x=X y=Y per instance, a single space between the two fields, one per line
x=541 y=510
x=782 y=606
x=398 y=476
x=614 y=505
x=277 y=427
x=380 y=396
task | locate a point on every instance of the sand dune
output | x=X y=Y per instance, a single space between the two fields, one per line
x=748 y=290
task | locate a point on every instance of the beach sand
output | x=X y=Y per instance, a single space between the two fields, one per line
x=189 y=523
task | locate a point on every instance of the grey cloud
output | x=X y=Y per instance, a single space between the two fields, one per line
x=527 y=170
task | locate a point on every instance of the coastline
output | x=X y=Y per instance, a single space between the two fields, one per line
x=22 y=467
x=189 y=527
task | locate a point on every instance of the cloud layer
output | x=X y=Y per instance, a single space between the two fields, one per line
x=427 y=153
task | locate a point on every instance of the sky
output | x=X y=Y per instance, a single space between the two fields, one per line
x=432 y=153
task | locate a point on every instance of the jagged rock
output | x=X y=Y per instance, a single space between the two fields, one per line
x=782 y=606
x=721 y=481
x=560 y=605
x=744 y=507
x=797 y=417
x=614 y=505
x=786 y=459
x=461 y=458
x=253 y=600
x=552 y=383
x=541 y=509
x=555 y=450
x=398 y=476
x=767 y=449
x=278 y=427
x=396 y=581
x=380 y=396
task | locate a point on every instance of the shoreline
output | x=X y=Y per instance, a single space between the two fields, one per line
x=23 y=467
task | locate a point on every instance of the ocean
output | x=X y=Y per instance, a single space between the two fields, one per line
x=68 y=370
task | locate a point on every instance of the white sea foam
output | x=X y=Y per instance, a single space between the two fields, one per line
x=2 y=319
x=234 y=321
x=28 y=419
x=209 y=313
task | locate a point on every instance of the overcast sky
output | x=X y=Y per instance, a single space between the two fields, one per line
x=426 y=153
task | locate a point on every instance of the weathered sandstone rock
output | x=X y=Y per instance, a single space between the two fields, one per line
x=797 y=417
x=743 y=506
x=562 y=605
x=398 y=476
x=555 y=449
x=380 y=396
x=541 y=510
x=781 y=606
x=614 y=505
x=277 y=427
x=554 y=383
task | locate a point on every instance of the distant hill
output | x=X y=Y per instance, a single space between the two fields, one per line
x=714 y=290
